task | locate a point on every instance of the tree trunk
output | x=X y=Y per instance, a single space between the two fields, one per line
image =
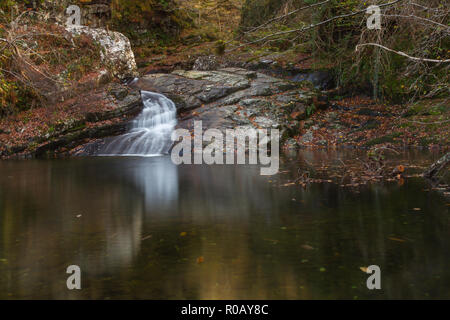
x=437 y=166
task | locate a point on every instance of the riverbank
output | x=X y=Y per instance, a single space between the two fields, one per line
x=56 y=129
x=308 y=117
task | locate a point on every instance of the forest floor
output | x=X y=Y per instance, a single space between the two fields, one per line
x=362 y=122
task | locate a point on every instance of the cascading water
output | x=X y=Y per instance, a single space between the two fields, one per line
x=150 y=131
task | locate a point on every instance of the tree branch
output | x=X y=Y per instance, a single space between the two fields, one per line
x=437 y=166
x=402 y=53
x=311 y=26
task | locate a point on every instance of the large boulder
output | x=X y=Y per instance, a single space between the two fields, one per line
x=116 y=53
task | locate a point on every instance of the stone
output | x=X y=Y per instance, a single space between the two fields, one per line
x=206 y=63
x=232 y=97
x=291 y=144
x=120 y=93
x=308 y=137
x=103 y=77
x=117 y=53
x=266 y=123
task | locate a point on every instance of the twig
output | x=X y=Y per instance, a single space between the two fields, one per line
x=310 y=26
x=402 y=53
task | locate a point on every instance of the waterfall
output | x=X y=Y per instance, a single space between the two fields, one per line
x=150 y=132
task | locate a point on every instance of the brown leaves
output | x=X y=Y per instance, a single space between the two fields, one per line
x=200 y=260
x=396 y=239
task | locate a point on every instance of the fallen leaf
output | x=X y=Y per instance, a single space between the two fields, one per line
x=183 y=234
x=288 y=184
x=307 y=247
x=396 y=239
x=417 y=209
x=200 y=260
x=363 y=269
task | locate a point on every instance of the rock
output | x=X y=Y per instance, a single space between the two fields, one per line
x=321 y=79
x=232 y=97
x=255 y=103
x=119 y=93
x=206 y=63
x=190 y=89
x=103 y=77
x=308 y=137
x=369 y=112
x=291 y=144
x=266 y=123
x=117 y=53
x=243 y=72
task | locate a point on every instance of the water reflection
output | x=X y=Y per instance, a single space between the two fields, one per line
x=144 y=228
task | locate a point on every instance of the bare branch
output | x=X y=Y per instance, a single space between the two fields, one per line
x=402 y=53
x=311 y=26
x=419 y=18
x=286 y=15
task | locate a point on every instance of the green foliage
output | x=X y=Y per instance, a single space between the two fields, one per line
x=384 y=139
x=159 y=17
x=310 y=110
x=256 y=12
x=370 y=70
x=220 y=47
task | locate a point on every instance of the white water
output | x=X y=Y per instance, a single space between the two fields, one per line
x=150 y=131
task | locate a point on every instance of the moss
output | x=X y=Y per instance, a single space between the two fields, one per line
x=220 y=47
x=384 y=139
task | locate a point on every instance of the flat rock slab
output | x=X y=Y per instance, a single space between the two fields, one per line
x=230 y=98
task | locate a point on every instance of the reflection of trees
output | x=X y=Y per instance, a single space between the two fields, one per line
x=42 y=234
x=251 y=233
x=250 y=256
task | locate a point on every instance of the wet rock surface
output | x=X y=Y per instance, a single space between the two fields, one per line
x=232 y=97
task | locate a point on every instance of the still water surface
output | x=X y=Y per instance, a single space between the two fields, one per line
x=144 y=228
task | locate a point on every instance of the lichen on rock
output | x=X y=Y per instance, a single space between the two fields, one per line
x=116 y=50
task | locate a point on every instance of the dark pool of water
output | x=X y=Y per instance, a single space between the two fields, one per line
x=144 y=228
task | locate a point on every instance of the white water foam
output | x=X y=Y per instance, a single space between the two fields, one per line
x=150 y=132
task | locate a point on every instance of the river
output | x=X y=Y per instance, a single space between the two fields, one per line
x=141 y=227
